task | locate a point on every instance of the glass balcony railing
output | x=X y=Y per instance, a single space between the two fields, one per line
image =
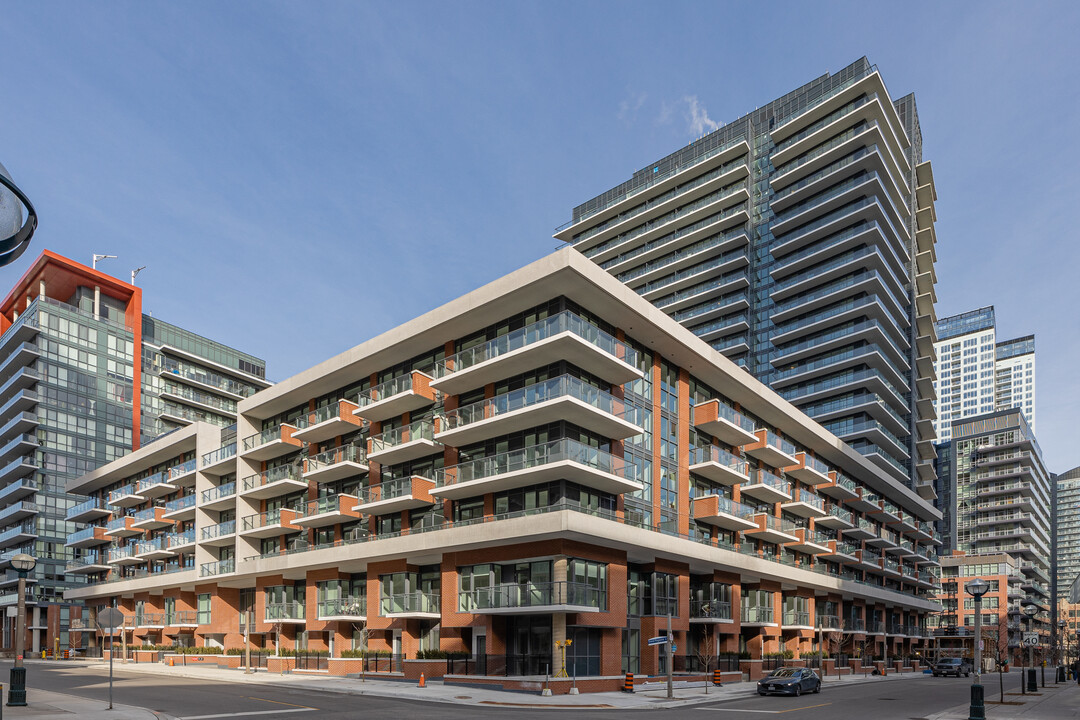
x=534 y=594
x=122 y=492
x=386 y=490
x=219 y=530
x=119 y=523
x=79 y=535
x=180 y=503
x=221 y=567
x=343 y=607
x=182 y=469
x=405 y=603
x=536 y=456
x=419 y=430
x=275 y=474
x=261 y=438
x=218 y=492
x=315 y=417
x=334 y=456
x=764 y=477
x=796 y=617
x=222 y=453
x=717 y=610
x=91 y=504
x=559 y=387
x=811 y=499
x=173 y=540
x=778 y=443
x=386 y=389
x=730 y=507
x=291 y=610
x=756 y=614
x=565 y=321
x=262 y=520
x=843 y=514
x=712 y=453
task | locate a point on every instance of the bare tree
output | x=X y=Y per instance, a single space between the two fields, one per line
x=832 y=642
x=706 y=651
x=996 y=639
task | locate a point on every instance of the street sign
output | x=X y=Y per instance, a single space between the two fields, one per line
x=110 y=620
x=674 y=648
x=1031 y=639
x=658 y=641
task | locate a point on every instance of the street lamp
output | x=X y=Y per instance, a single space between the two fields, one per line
x=1031 y=611
x=16 y=226
x=22 y=564
x=1060 y=652
x=976 y=588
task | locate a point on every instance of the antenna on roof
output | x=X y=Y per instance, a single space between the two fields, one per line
x=135 y=272
x=100 y=257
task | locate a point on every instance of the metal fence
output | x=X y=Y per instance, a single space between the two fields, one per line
x=312 y=661
x=380 y=663
x=696 y=664
x=841 y=660
x=772 y=663
x=502 y=665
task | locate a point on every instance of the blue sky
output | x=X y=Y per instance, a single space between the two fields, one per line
x=298 y=177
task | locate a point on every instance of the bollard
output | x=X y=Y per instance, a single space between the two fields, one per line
x=628 y=683
x=716 y=678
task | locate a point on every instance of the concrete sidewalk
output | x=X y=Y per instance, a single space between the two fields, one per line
x=1054 y=702
x=650 y=695
x=47 y=705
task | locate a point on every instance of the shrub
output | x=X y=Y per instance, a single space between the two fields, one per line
x=785 y=654
x=441 y=655
x=365 y=653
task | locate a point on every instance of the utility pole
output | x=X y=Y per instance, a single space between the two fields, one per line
x=247 y=625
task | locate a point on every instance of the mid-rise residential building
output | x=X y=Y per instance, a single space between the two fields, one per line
x=1002 y=619
x=1067 y=532
x=977 y=374
x=798 y=240
x=1001 y=501
x=85 y=377
x=549 y=457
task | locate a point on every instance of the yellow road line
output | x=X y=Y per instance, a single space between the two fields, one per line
x=781 y=712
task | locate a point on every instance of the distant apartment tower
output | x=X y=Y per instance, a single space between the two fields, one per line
x=1067 y=512
x=977 y=374
x=798 y=240
x=1002 y=499
x=85 y=378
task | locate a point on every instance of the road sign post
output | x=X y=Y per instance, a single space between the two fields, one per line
x=109 y=620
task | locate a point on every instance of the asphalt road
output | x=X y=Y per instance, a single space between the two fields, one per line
x=911 y=699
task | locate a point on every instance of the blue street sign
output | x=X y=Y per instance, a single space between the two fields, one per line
x=658 y=641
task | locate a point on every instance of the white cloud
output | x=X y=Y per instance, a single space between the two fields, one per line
x=698 y=117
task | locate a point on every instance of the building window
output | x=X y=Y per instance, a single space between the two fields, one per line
x=203 y=609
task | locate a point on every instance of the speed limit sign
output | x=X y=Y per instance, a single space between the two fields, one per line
x=1031 y=639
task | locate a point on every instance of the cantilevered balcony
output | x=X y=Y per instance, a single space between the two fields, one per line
x=534 y=598
x=868 y=560
x=842 y=552
x=17 y=511
x=24 y=532
x=836 y=518
x=709 y=611
x=867 y=502
x=402 y=444
x=395 y=397
x=562 y=398
x=219 y=497
x=886 y=539
x=724 y=513
x=88 y=564
x=336 y=464
x=863 y=530
x=564 y=336
x=182 y=508
x=716 y=464
x=183 y=475
x=126 y=496
x=809 y=470
x=393 y=496
x=221 y=461
x=756 y=615
x=20 y=467
x=327 y=422
x=281 y=480
x=327 y=511
x=151 y=549
x=810 y=542
x=766 y=487
x=22 y=488
x=88 y=537
x=772 y=450
x=181 y=542
x=289 y=612
x=557 y=460
x=154 y=486
x=19 y=445
x=270 y=443
x=805 y=504
x=219 y=567
x=270 y=523
x=150 y=519
x=93 y=509
x=220 y=534
x=724 y=423
x=418 y=604
x=122 y=527
x=123 y=555
x=772 y=529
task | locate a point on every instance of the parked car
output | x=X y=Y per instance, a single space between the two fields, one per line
x=952 y=666
x=789 y=681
